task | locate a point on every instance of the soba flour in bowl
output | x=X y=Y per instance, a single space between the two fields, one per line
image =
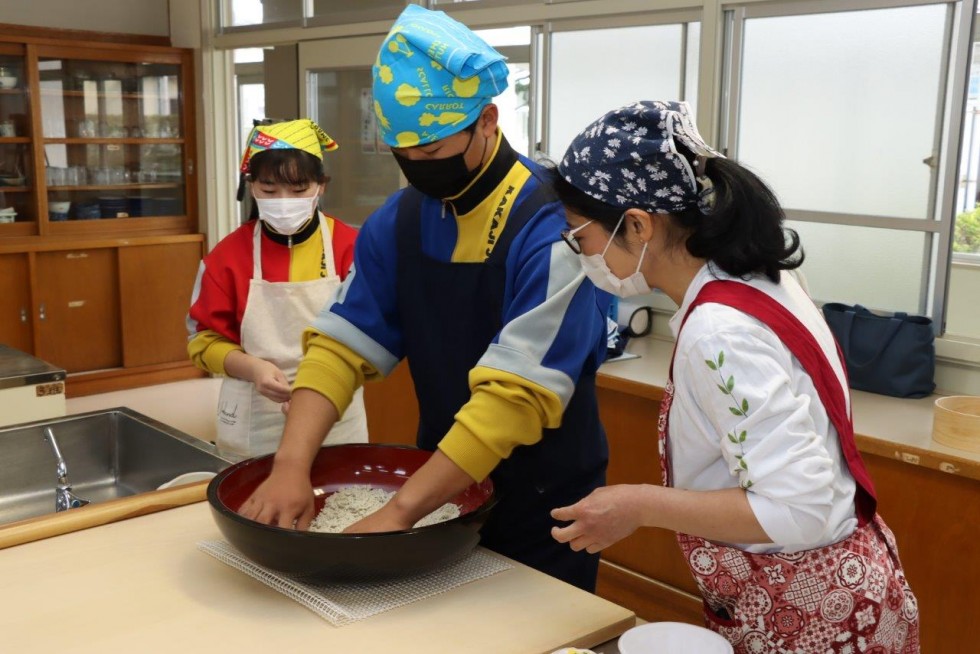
x=351 y=503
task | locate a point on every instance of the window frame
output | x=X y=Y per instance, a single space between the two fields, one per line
x=953 y=74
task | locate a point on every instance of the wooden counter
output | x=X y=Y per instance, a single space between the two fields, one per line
x=891 y=427
x=142 y=585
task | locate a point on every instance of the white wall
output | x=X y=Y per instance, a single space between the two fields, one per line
x=150 y=17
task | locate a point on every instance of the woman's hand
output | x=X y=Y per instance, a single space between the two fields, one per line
x=284 y=499
x=609 y=514
x=269 y=380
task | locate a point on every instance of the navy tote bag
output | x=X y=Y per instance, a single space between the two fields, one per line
x=890 y=354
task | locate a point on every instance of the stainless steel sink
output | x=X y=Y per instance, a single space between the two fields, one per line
x=109 y=454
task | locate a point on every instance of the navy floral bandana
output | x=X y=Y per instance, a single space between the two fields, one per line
x=629 y=158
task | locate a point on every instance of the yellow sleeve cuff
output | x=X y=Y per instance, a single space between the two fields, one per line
x=208 y=350
x=332 y=369
x=504 y=412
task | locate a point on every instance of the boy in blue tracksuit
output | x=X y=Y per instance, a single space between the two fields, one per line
x=463 y=273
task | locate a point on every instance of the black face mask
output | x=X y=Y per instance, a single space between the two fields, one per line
x=439 y=178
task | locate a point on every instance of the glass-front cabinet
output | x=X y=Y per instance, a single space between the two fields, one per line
x=18 y=205
x=99 y=239
x=109 y=131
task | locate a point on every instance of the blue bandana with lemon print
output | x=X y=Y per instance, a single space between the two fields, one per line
x=432 y=78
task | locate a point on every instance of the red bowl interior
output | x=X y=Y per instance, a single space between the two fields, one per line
x=381 y=466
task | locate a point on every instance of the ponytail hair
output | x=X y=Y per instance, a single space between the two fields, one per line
x=743 y=232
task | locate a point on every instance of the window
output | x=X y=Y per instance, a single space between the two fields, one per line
x=514 y=104
x=585 y=86
x=962 y=308
x=335 y=12
x=842 y=114
x=250 y=97
x=252 y=13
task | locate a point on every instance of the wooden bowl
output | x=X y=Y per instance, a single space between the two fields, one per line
x=348 y=557
x=956 y=422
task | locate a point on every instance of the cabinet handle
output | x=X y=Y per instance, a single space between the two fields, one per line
x=77 y=255
x=74 y=304
x=23 y=314
x=43 y=313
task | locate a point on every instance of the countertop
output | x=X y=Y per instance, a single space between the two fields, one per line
x=142 y=585
x=20 y=369
x=892 y=427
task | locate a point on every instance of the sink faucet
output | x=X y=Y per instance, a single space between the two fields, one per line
x=64 y=498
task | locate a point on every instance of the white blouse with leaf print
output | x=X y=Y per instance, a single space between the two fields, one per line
x=745 y=414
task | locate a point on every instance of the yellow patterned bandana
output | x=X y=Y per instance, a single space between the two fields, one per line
x=432 y=78
x=302 y=134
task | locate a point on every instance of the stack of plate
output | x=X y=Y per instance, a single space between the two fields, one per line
x=87 y=211
x=165 y=207
x=140 y=205
x=114 y=207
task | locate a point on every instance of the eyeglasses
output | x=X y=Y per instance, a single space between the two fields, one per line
x=567 y=235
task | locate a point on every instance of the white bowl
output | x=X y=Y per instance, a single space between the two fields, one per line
x=672 y=638
x=59 y=207
x=8 y=82
x=7 y=217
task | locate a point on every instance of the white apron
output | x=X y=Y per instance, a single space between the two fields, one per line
x=250 y=424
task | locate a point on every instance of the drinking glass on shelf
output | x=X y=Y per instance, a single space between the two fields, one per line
x=55 y=175
x=100 y=176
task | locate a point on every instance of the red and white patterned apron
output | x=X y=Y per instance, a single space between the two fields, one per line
x=850 y=596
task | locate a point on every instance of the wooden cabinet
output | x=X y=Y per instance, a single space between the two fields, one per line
x=15 y=302
x=98 y=206
x=156 y=282
x=95 y=140
x=78 y=309
x=111 y=314
x=113 y=141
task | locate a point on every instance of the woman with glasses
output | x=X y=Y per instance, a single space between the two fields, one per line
x=773 y=507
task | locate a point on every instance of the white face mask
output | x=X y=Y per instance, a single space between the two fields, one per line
x=286 y=215
x=597 y=270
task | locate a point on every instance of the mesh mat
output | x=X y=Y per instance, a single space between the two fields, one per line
x=344 y=603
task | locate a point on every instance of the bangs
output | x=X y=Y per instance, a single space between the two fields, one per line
x=288 y=166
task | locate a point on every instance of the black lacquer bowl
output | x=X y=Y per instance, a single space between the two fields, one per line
x=348 y=557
